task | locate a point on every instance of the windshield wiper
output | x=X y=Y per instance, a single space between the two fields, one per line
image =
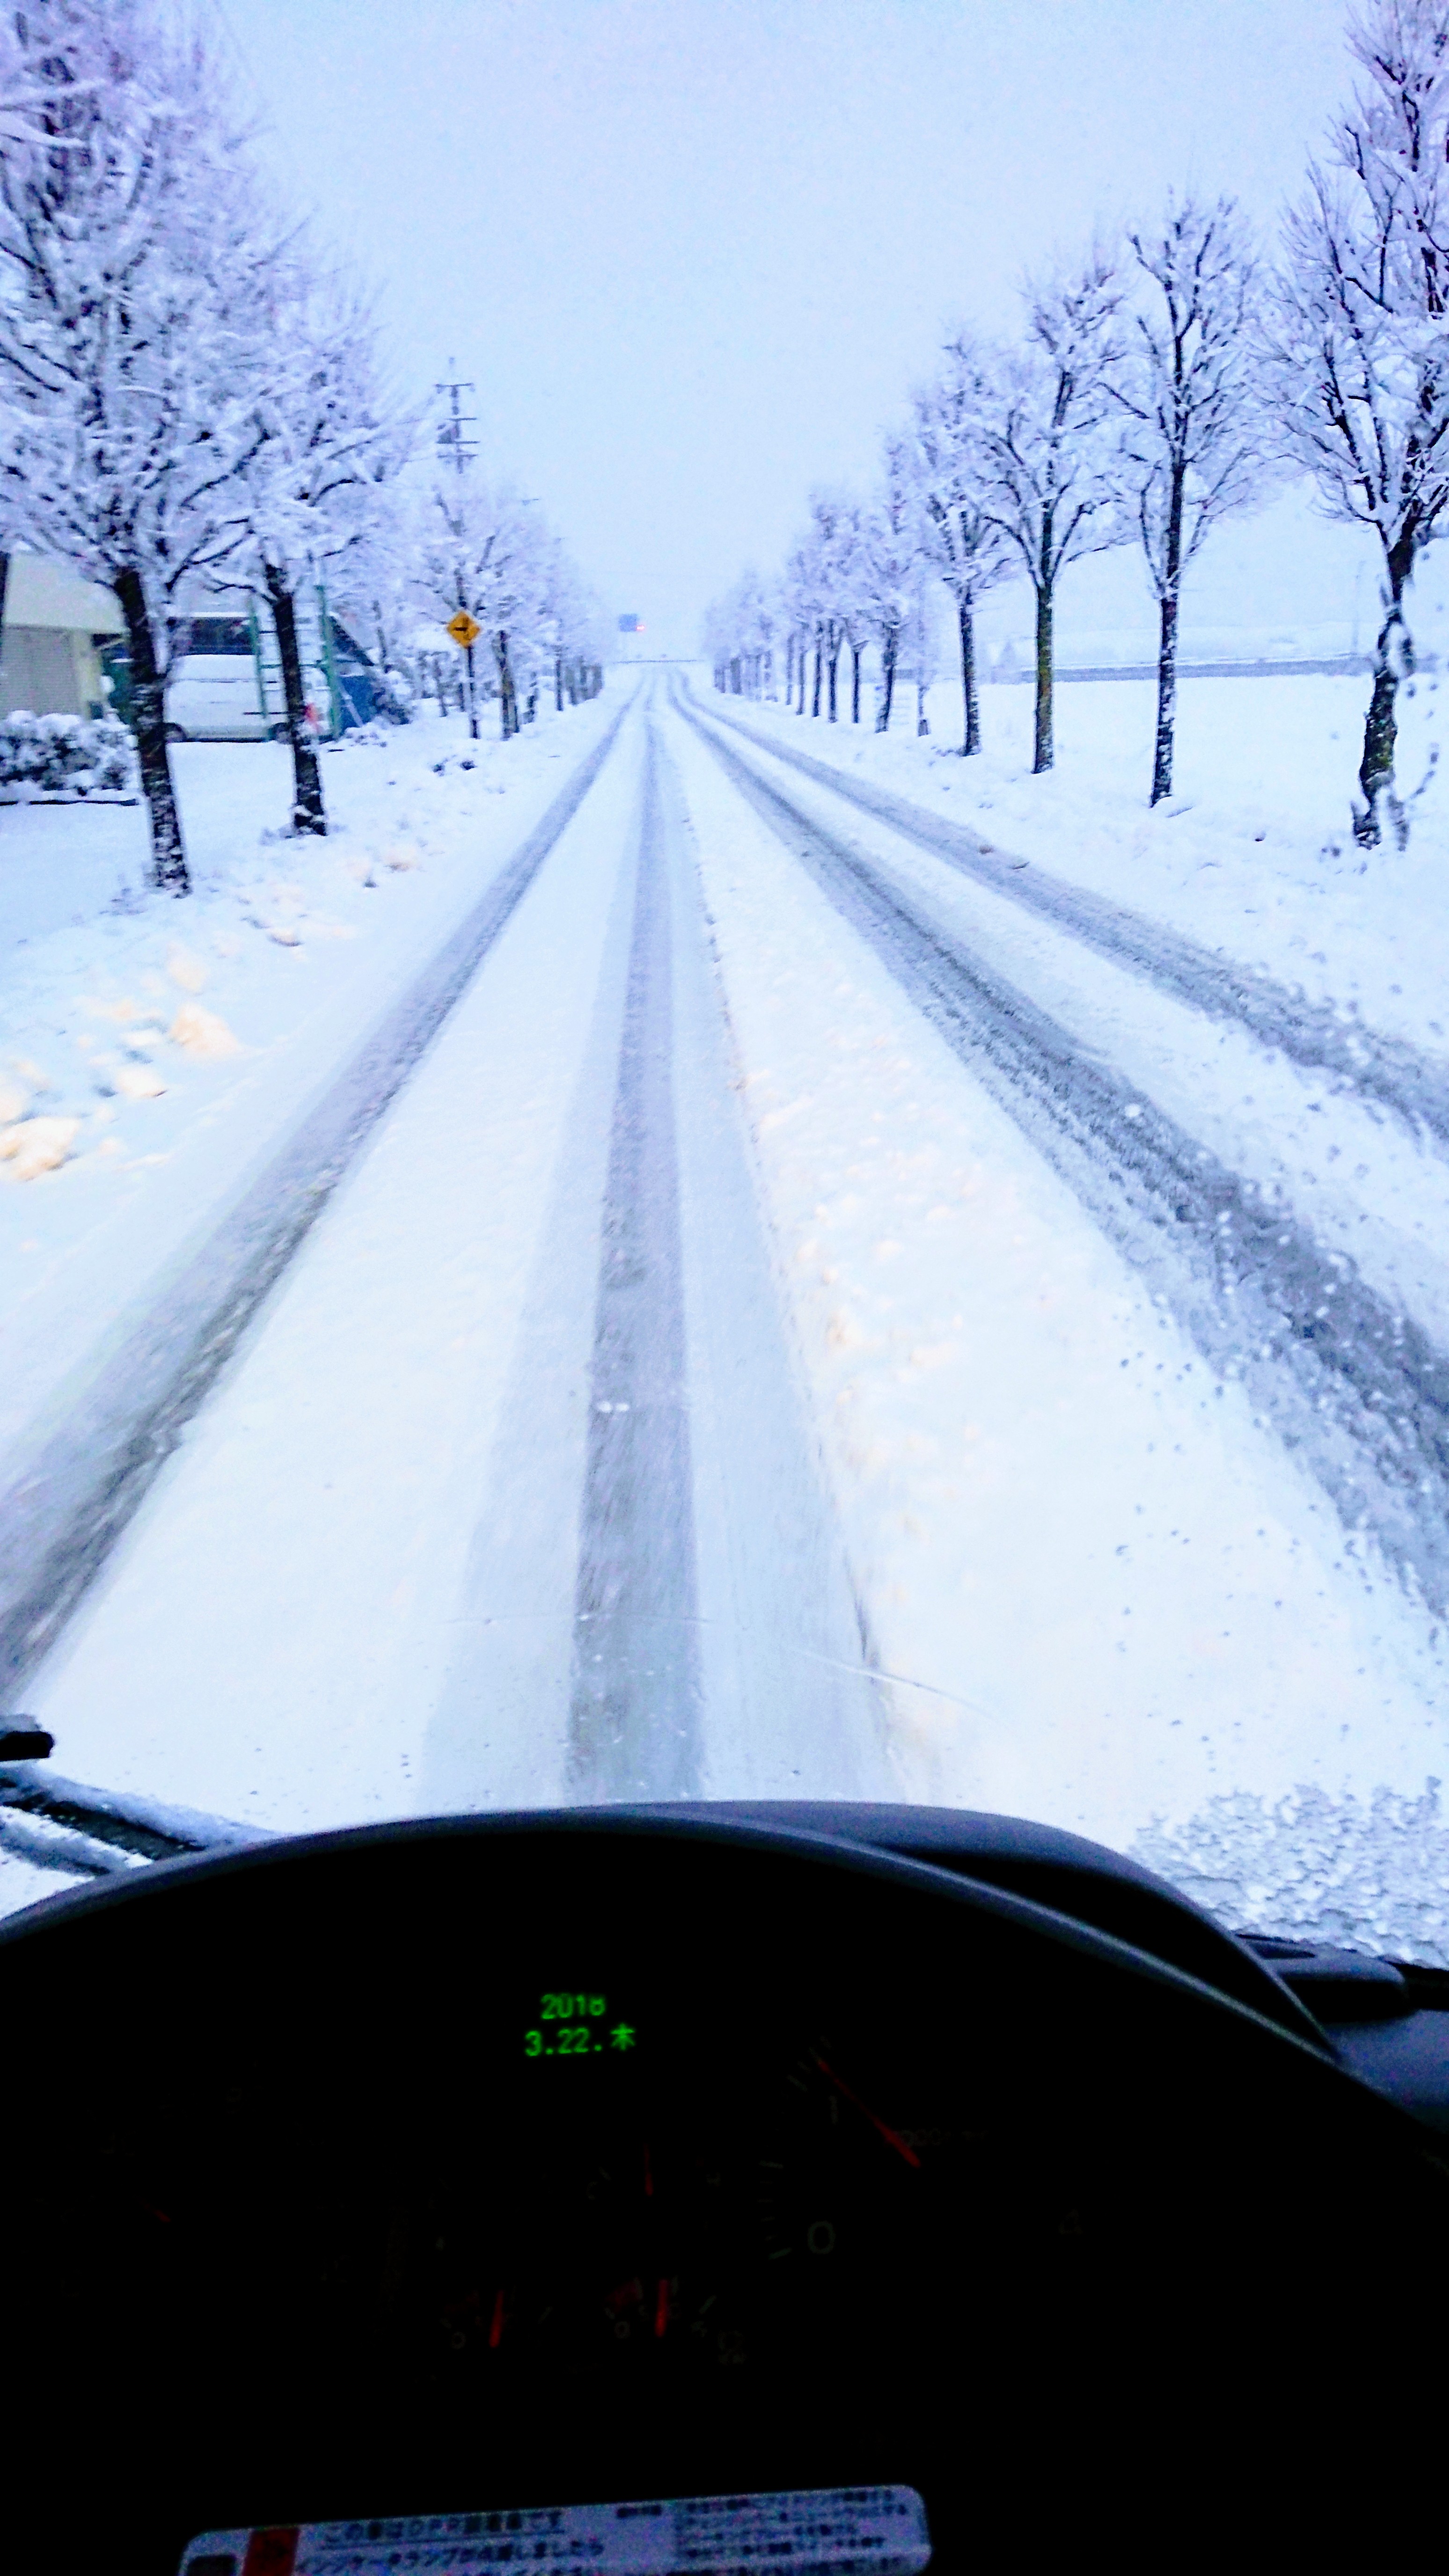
x=93 y=1833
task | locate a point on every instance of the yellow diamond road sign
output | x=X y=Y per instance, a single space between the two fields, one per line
x=465 y=630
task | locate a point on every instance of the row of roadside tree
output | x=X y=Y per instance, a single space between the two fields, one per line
x=194 y=399
x=1160 y=384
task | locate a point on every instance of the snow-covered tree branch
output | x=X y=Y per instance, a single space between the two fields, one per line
x=1192 y=428
x=1357 y=336
x=965 y=545
x=480 y=548
x=1051 y=449
x=893 y=558
x=327 y=444
x=131 y=241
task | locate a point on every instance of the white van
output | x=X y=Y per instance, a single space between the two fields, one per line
x=228 y=686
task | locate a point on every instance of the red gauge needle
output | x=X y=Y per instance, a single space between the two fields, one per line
x=495 y=2330
x=892 y=2137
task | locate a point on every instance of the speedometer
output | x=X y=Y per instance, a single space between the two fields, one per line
x=661 y=2212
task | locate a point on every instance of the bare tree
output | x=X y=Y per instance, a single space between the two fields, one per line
x=834 y=534
x=1192 y=436
x=481 y=549
x=131 y=242
x=40 y=81
x=373 y=586
x=802 y=607
x=328 y=441
x=1357 y=337
x=893 y=541
x=963 y=541
x=1052 y=452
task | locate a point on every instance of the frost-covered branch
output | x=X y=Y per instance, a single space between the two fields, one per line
x=1356 y=336
x=130 y=247
x=1192 y=428
x=1051 y=449
x=963 y=542
x=328 y=443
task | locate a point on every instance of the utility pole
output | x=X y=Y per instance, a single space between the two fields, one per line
x=452 y=442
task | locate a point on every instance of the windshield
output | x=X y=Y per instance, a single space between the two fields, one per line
x=723 y=1062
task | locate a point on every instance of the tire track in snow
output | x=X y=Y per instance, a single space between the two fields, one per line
x=1413 y=1086
x=720 y=1647
x=71 y=1503
x=635 y=1708
x=1356 y=1389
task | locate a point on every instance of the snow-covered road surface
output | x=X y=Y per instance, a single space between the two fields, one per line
x=1345 y=1376
x=404 y=1555
x=1383 y=1067
x=779 y=1341
x=61 y=1516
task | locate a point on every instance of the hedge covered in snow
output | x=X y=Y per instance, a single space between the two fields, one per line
x=65 y=755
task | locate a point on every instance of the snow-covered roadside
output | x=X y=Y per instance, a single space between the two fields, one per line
x=273 y=1634
x=172 y=1044
x=1252 y=855
x=1368 y=1190
x=1129 y=1594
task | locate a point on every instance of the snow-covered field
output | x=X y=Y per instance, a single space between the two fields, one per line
x=968 y=1509
x=1253 y=852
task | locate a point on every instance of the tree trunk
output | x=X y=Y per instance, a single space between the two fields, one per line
x=1166 y=696
x=923 y=722
x=855 y=684
x=558 y=683
x=801 y=660
x=972 y=740
x=888 y=669
x=833 y=666
x=815 y=692
x=307 y=810
x=507 y=693
x=1045 y=749
x=1393 y=656
x=1167 y=639
x=148 y=702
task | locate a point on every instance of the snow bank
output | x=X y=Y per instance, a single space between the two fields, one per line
x=1252 y=855
x=68 y=756
x=151 y=1053
x=1121 y=1592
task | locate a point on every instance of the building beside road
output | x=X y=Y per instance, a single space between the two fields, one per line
x=62 y=652
x=55 y=630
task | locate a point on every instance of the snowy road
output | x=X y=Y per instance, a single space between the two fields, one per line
x=1341 y=1370
x=62 y=1515
x=1413 y=1086
x=512 y=1492
x=810 y=1323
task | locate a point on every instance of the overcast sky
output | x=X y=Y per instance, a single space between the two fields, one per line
x=693 y=252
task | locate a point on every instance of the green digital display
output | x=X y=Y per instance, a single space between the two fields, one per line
x=577 y=2022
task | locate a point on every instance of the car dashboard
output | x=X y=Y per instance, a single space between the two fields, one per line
x=498 y=2165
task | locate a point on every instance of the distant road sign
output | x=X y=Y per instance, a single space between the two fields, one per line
x=631 y=625
x=465 y=630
